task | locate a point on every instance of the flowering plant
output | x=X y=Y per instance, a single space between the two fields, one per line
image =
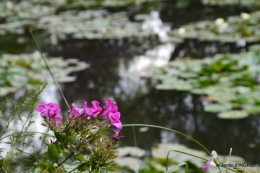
x=211 y=162
x=82 y=139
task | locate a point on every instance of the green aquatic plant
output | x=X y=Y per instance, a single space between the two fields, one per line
x=168 y=158
x=232 y=2
x=236 y=28
x=71 y=19
x=229 y=82
x=24 y=71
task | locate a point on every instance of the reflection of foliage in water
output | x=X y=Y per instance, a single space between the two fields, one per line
x=229 y=81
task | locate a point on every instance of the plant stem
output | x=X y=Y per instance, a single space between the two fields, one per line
x=50 y=70
x=66 y=159
x=182 y=153
x=164 y=128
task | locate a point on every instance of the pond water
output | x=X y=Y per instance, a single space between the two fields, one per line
x=118 y=71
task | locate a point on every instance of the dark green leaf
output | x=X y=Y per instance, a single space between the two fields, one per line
x=53 y=152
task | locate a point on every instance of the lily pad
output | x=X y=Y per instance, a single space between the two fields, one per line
x=218 y=107
x=230 y=81
x=27 y=70
x=233 y=29
x=234 y=114
x=232 y=2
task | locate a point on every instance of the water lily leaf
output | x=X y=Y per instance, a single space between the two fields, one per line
x=233 y=114
x=162 y=150
x=132 y=163
x=174 y=83
x=133 y=151
x=27 y=70
x=253 y=109
x=218 y=107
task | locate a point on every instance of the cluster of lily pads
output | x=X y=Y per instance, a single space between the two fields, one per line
x=244 y=27
x=28 y=70
x=232 y=2
x=91 y=25
x=230 y=82
x=76 y=21
x=130 y=157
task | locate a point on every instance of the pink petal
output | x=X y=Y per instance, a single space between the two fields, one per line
x=205 y=167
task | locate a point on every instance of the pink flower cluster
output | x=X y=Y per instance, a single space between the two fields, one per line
x=51 y=113
x=109 y=112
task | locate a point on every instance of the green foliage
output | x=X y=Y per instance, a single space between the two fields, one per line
x=250 y=3
x=75 y=19
x=79 y=142
x=244 y=27
x=21 y=113
x=27 y=70
x=228 y=81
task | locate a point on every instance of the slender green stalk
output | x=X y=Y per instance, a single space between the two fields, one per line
x=25 y=132
x=49 y=70
x=66 y=159
x=179 y=165
x=182 y=153
x=175 y=131
x=134 y=136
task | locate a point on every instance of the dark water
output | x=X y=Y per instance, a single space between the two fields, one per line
x=137 y=99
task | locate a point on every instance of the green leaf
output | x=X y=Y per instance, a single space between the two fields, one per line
x=218 y=107
x=53 y=152
x=44 y=166
x=253 y=109
x=61 y=137
x=234 y=114
x=79 y=157
x=83 y=167
x=9 y=156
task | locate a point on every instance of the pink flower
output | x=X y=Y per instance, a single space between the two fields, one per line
x=49 y=110
x=210 y=162
x=77 y=112
x=51 y=113
x=116 y=124
x=113 y=116
x=57 y=120
x=117 y=138
x=110 y=107
x=94 y=110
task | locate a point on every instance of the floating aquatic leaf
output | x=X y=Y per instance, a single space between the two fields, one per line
x=233 y=29
x=218 y=107
x=234 y=114
x=133 y=151
x=133 y=163
x=77 y=23
x=162 y=150
x=232 y=2
x=27 y=70
x=230 y=81
x=175 y=84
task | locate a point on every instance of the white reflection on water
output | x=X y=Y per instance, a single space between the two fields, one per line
x=155 y=24
x=130 y=83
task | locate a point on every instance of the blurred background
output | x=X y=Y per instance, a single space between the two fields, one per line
x=116 y=41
